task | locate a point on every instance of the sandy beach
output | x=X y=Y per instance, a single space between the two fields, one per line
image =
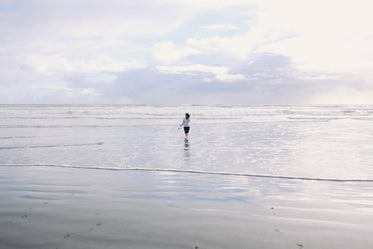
x=46 y=207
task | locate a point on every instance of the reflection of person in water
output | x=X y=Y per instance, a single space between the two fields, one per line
x=186 y=151
x=186 y=146
x=185 y=124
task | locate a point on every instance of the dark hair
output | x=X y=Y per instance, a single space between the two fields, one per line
x=187 y=115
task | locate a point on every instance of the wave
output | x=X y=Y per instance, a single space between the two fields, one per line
x=20 y=137
x=14 y=137
x=299 y=178
x=49 y=146
x=72 y=126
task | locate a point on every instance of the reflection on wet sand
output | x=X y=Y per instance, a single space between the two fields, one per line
x=142 y=209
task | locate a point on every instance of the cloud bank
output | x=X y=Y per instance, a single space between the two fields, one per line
x=186 y=52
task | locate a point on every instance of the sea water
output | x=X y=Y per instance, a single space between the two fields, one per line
x=313 y=142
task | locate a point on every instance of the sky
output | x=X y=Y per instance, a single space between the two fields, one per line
x=186 y=52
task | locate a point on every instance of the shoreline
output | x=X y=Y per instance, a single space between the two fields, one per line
x=49 y=207
x=180 y=171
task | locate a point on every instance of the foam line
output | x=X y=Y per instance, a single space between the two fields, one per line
x=48 y=146
x=16 y=137
x=192 y=172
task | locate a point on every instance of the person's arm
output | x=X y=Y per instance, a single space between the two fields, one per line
x=182 y=123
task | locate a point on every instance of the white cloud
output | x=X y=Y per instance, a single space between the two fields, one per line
x=50 y=65
x=87 y=19
x=83 y=37
x=206 y=3
x=167 y=52
x=237 y=47
x=330 y=35
x=218 y=73
x=102 y=78
x=220 y=27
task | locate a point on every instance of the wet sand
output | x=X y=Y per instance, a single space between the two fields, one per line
x=48 y=207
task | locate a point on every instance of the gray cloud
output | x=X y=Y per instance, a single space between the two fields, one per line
x=269 y=80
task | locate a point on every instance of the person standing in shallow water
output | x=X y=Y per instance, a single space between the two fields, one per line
x=185 y=124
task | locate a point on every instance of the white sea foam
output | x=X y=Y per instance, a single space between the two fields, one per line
x=292 y=141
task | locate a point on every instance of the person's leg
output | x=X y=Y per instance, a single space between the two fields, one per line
x=186 y=131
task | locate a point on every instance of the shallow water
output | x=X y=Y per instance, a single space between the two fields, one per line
x=322 y=142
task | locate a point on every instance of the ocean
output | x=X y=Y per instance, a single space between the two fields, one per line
x=302 y=142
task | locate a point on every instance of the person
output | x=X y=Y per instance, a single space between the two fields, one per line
x=185 y=124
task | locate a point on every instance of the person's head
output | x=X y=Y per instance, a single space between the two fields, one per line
x=187 y=115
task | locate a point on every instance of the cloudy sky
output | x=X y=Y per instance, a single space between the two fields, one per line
x=186 y=51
